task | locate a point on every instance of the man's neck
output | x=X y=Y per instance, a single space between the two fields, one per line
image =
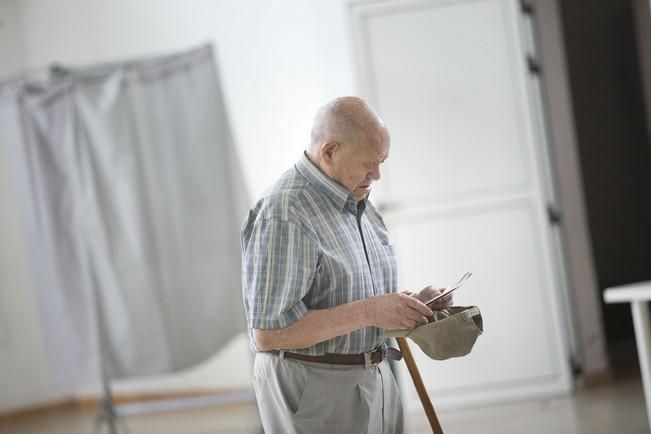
x=317 y=162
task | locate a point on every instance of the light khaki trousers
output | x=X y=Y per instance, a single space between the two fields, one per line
x=296 y=397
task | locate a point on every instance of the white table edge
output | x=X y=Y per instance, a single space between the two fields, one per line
x=639 y=291
x=638 y=294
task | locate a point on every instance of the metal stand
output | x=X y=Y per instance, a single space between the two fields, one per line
x=106 y=413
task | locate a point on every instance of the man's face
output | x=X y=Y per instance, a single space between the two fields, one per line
x=357 y=166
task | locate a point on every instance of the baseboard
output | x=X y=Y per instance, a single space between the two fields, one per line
x=91 y=403
x=42 y=409
x=599 y=379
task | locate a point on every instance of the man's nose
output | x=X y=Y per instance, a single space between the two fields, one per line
x=375 y=174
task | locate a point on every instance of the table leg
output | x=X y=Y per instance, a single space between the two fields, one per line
x=642 y=325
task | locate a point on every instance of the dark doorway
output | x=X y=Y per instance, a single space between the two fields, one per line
x=615 y=154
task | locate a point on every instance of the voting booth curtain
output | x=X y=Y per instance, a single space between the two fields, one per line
x=132 y=198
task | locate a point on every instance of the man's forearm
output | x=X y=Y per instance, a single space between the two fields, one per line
x=316 y=326
x=388 y=311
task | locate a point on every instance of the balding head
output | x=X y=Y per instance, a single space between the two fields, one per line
x=349 y=142
x=347 y=120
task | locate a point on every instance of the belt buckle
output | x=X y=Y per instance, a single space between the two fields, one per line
x=368 y=362
x=368 y=357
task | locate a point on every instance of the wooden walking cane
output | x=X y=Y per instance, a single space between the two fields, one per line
x=420 y=387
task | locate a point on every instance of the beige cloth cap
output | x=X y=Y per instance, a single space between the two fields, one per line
x=452 y=332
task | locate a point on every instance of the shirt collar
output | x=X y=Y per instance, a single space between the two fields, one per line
x=337 y=193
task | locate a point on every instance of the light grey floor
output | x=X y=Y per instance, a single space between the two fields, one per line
x=614 y=409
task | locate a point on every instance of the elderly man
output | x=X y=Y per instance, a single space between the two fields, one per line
x=319 y=281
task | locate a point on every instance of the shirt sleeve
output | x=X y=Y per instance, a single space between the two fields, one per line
x=279 y=264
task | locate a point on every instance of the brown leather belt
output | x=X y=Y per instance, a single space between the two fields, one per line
x=376 y=357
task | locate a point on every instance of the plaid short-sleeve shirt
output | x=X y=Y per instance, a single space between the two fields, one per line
x=308 y=244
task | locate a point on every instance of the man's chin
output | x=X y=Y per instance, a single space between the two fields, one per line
x=363 y=194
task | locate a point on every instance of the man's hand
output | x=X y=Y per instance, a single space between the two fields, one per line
x=397 y=311
x=429 y=293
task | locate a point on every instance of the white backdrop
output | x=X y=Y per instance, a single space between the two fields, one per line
x=278 y=62
x=132 y=199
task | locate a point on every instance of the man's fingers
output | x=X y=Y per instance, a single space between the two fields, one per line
x=420 y=307
x=415 y=316
x=446 y=301
x=406 y=323
x=411 y=323
x=402 y=311
x=430 y=291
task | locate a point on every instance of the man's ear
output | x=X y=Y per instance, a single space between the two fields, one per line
x=328 y=151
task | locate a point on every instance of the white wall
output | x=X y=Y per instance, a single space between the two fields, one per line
x=20 y=337
x=11 y=47
x=278 y=60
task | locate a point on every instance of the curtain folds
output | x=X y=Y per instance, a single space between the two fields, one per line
x=132 y=198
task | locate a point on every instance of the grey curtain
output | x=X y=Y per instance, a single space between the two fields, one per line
x=132 y=199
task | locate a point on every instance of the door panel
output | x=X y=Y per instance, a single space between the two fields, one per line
x=437 y=248
x=449 y=66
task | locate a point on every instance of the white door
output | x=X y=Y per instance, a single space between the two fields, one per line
x=463 y=187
